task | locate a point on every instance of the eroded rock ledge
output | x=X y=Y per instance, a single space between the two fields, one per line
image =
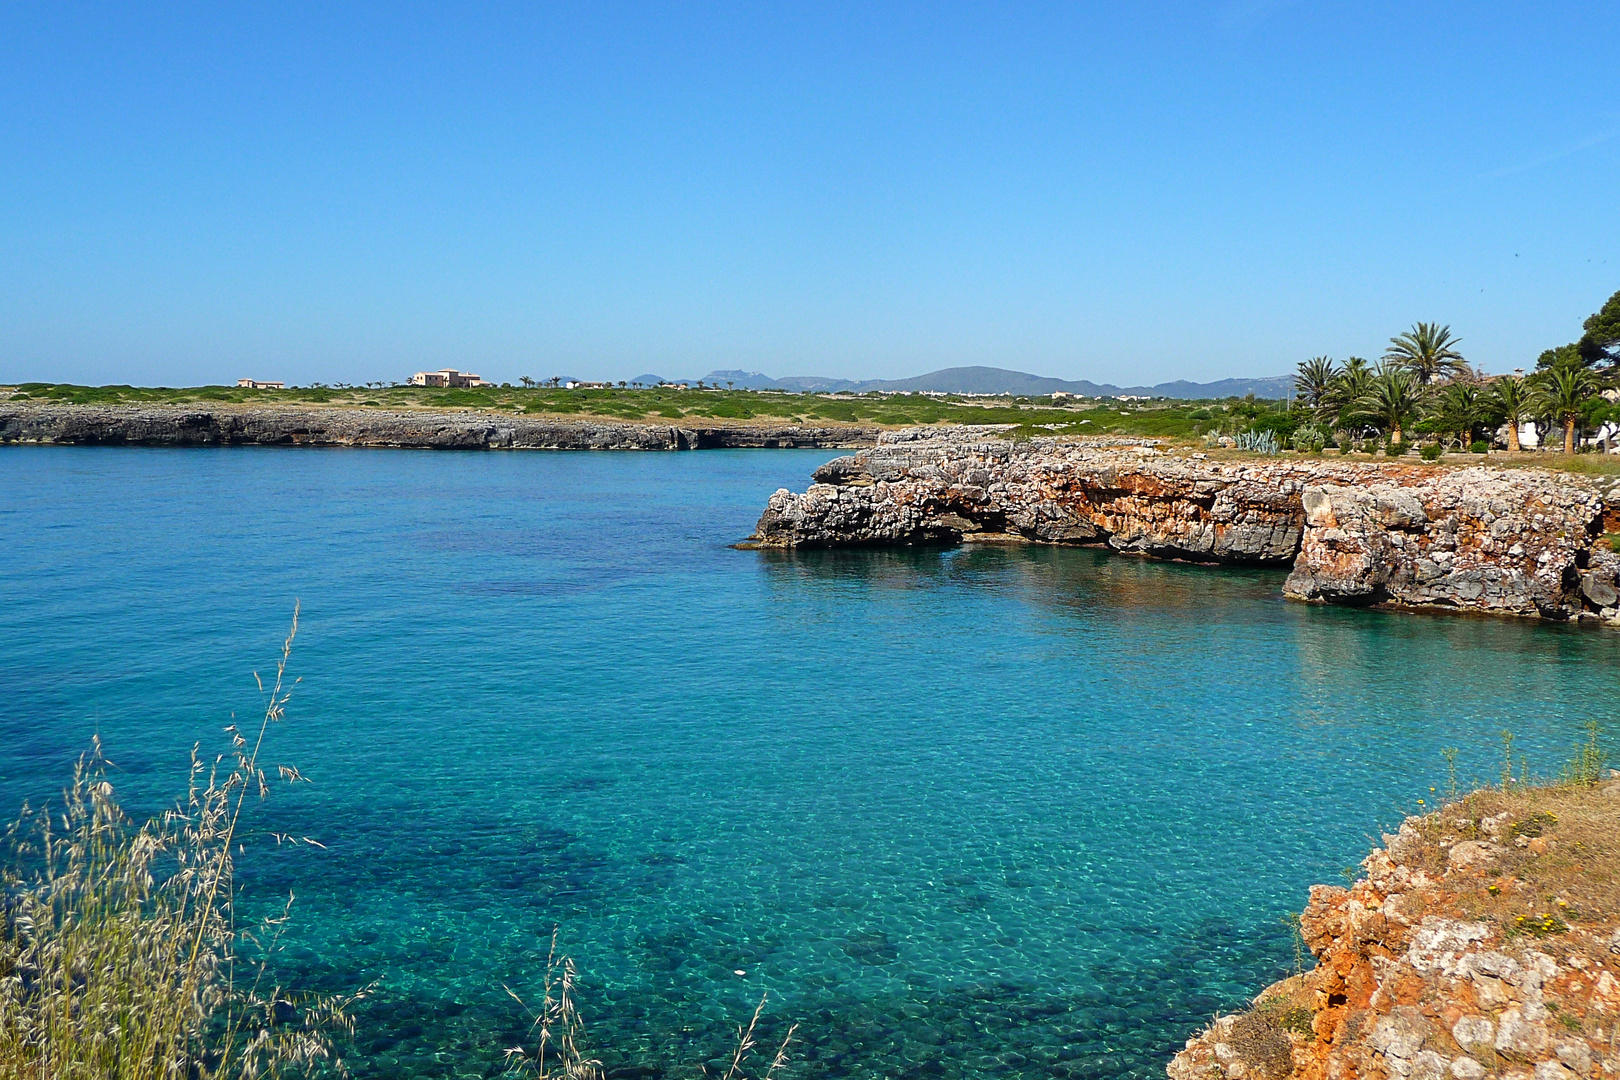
x=183 y=426
x=1482 y=943
x=1500 y=541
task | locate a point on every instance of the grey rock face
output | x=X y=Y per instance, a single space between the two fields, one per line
x=1513 y=542
x=1499 y=541
x=177 y=426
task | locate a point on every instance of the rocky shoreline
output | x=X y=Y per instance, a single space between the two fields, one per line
x=1482 y=942
x=107 y=425
x=1519 y=542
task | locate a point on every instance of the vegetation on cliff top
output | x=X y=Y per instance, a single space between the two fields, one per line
x=1160 y=418
x=1423 y=387
x=1512 y=888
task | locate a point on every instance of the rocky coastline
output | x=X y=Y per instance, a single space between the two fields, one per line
x=1482 y=942
x=1519 y=542
x=105 y=425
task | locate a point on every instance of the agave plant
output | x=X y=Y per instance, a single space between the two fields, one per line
x=1260 y=442
x=1428 y=351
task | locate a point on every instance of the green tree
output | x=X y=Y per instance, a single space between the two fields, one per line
x=1349 y=386
x=1246 y=408
x=1561 y=394
x=1600 y=344
x=1392 y=399
x=1313 y=379
x=1460 y=408
x=1511 y=398
x=1428 y=351
x=1565 y=356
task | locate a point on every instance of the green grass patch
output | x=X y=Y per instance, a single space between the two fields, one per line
x=1034 y=416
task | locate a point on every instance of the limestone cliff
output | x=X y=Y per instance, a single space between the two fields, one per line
x=295 y=426
x=1498 y=541
x=1484 y=941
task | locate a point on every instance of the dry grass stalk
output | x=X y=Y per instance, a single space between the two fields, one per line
x=558 y=1052
x=561 y=1030
x=120 y=958
x=746 y=1044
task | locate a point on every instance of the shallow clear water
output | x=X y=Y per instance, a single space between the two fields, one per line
x=1017 y=811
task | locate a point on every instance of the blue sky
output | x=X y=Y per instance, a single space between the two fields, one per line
x=1120 y=192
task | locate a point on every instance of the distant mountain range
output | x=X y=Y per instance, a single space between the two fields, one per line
x=989 y=380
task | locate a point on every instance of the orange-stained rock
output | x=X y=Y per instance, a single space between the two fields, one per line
x=1494 y=541
x=1424 y=973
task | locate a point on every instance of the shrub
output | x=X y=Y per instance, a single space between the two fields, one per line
x=120 y=956
x=1431 y=452
x=1308 y=438
x=1480 y=446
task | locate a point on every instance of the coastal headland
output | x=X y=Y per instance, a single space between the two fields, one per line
x=1482 y=941
x=226 y=425
x=1502 y=541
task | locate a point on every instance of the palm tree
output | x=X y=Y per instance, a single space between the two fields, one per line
x=1348 y=387
x=1428 y=351
x=1391 y=399
x=1313 y=380
x=526 y=381
x=1511 y=397
x=1561 y=394
x=1459 y=408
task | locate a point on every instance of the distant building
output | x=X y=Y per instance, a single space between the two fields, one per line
x=448 y=377
x=575 y=384
x=255 y=384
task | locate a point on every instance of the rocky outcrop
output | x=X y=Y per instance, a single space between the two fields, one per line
x=263 y=426
x=1498 y=541
x=1482 y=942
x=1491 y=540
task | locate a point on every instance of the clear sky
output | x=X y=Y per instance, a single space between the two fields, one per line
x=1121 y=192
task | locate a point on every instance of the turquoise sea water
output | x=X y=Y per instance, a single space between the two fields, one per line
x=1011 y=811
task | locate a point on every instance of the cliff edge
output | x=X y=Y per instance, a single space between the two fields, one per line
x=1488 y=540
x=176 y=425
x=1483 y=942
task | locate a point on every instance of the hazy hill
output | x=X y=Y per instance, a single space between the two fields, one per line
x=756 y=380
x=990 y=380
